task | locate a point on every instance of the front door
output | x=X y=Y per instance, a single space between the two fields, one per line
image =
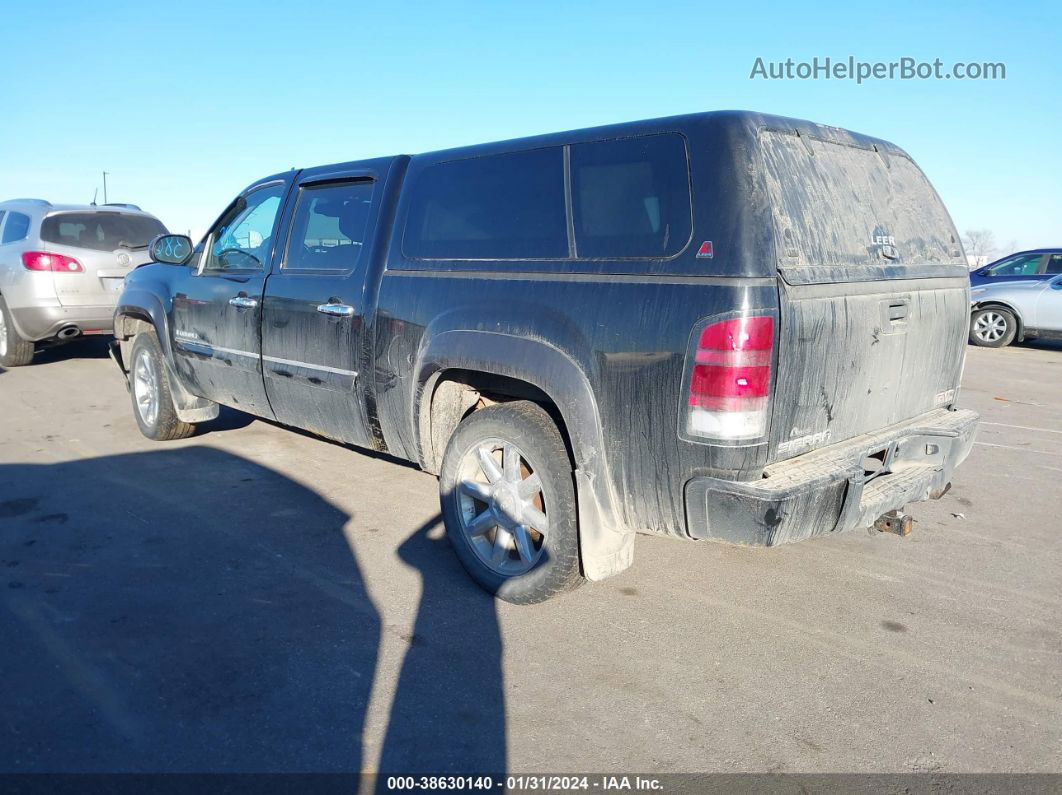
x=314 y=306
x=217 y=310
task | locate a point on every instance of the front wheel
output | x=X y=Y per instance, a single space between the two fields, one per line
x=508 y=502
x=148 y=385
x=993 y=327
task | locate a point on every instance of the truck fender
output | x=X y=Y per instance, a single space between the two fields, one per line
x=606 y=545
x=147 y=307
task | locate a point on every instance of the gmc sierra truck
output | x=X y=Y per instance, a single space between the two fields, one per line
x=722 y=326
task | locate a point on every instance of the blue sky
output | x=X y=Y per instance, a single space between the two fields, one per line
x=185 y=104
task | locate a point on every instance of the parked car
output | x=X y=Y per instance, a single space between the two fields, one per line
x=61 y=269
x=683 y=327
x=1038 y=264
x=1015 y=311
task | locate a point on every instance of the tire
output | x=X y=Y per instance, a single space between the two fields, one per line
x=514 y=528
x=149 y=388
x=993 y=327
x=14 y=351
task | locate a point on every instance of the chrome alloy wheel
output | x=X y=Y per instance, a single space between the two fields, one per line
x=503 y=510
x=3 y=335
x=990 y=327
x=146 y=387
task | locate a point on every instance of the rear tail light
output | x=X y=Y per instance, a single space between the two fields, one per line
x=730 y=383
x=56 y=263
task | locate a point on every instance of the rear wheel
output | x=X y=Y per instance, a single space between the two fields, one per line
x=508 y=502
x=14 y=351
x=150 y=390
x=992 y=327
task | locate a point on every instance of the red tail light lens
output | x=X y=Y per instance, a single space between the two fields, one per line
x=56 y=263
x=731 y=379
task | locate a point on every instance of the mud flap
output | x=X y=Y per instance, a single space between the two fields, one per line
x=605 y=550
x=187 y=406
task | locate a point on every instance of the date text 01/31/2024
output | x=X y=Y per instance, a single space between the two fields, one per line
x=536 y=783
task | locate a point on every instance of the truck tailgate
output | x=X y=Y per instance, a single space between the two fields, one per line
x=855 y=357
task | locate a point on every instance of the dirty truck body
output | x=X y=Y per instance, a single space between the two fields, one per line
x=745 y=328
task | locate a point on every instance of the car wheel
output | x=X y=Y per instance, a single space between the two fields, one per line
x=992 y=327
x=508 y=502
x=150 y=390
x=14 y=351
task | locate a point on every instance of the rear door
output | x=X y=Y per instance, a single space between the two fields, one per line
x=874 y=295
x=107 y=243
x=217 y=305
x=313 y=322
x=1047 y=314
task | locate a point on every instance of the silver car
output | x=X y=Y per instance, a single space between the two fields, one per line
x=62 y=268
x=1014 y=311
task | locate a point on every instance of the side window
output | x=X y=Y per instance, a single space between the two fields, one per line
x=16 y=228
x=631 y=197
x=2 y=214
x=243 y=238
x=1054 y=264
x=1021 y=265
x=328 y=232
x=505 y=206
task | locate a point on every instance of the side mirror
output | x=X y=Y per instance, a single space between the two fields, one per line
x=171 y=249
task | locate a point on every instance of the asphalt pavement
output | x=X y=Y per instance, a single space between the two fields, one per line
x=256 y=599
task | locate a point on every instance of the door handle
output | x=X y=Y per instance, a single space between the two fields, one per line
x=336 y=310
x=243 y=302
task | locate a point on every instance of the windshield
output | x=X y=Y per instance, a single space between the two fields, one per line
x=101 y=231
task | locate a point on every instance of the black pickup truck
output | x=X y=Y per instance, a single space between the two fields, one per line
x=723 y=326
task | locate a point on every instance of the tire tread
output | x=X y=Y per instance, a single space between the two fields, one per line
x=168 y=427
x=19 y=351
x=564 y=570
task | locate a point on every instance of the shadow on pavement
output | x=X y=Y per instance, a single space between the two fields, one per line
x=448 y=714
x=91 y=347
x=190 y=610
x=228 y=419
x=1043 y=344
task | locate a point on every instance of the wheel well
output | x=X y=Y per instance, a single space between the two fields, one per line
x=129 y=325
x=1020 y=331
x=457 y=393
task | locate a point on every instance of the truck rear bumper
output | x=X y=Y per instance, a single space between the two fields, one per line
x=841 y=487
x=44 y=322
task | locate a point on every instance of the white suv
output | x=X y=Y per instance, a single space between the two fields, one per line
x=62 y=269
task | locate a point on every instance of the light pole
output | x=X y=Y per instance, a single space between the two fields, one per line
x=104 y=187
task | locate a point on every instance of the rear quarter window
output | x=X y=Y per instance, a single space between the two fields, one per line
x=504 y=206
x=631 y=197
x=16 y=228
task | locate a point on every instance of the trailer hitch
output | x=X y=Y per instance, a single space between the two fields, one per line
x=895 y=522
